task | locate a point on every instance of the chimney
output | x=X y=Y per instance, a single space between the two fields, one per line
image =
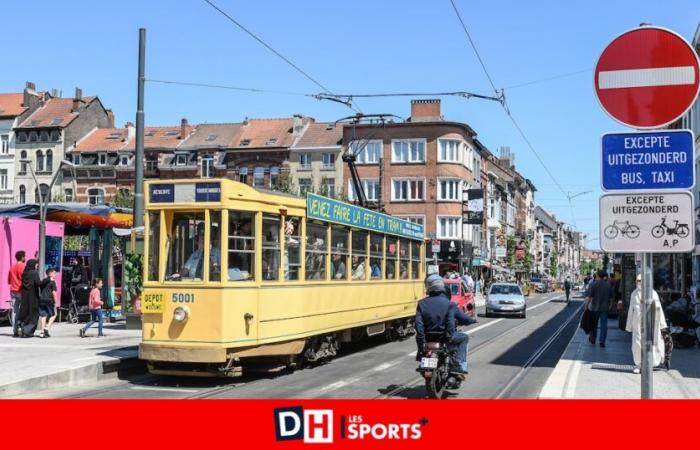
x=110 y=118
x=130 y=131
x=298 y=124
x=184 y=128
x=427 y=110
x=77 y=99
x=29 y=95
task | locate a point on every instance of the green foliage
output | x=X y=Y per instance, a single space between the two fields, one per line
x=123 y=199
x=510 y=255
x=74 y=243
x=527 y=262
x=554 y=262
x=133 y=278
x=606 y=262
x=283 y=183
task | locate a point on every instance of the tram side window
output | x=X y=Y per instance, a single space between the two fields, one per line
x=271 y=247
x=241 y=246
x=376 y=255
x=404 y=261
x=186 y=247
x=316 y=249
x=415 y=260
x=292 y=256
x=215 y=246
x=391 y=253
x=359 y=255
x=153 y=245
x=339 y=253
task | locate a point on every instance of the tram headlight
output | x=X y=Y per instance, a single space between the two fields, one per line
x=181 y=313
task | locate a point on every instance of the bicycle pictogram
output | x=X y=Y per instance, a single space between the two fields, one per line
x=679 y=229
x=625 y=227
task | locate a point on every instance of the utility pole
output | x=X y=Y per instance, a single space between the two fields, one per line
x=138 y=164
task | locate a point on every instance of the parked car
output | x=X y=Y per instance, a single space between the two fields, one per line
x=505 y=298
x=461 y=296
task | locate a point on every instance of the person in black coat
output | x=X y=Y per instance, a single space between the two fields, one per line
x=29 y=307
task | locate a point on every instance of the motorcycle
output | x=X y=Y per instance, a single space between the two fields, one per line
x=435 y=368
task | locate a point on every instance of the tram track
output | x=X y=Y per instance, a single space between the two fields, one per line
x=513 y=381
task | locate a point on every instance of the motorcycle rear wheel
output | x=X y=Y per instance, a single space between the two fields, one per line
x=435 y=385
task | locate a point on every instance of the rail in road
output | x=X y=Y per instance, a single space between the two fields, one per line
x=343 y=377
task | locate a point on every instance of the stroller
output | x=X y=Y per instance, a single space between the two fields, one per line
x=79 y=295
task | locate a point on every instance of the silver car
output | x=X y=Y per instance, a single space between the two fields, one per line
x=505 y=298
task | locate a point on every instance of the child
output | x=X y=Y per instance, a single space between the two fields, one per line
x=47 y=303
x=95 y=305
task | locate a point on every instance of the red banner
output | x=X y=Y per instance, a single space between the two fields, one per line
x=262 y=424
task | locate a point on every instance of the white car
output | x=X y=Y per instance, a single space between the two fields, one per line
x=505 y=298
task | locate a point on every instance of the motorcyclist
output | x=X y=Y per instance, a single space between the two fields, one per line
x=437 y=317
x=567 y=288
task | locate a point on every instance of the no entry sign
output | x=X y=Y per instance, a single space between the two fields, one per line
x=647 y=77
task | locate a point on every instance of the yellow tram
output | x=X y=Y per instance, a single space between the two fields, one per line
x=237 y=277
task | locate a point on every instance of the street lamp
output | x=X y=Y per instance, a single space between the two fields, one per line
x=43 y=206
x=570 y=197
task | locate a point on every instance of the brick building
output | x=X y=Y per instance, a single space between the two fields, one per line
x=427 y=163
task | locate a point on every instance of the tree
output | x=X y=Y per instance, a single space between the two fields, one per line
x=606 y=261
x=123 y=199
x=527 y=262
x=510 y=255
x=283 y=183
x=554 y=262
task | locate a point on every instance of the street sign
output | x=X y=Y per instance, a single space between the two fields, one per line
x=474 y=213
x=651 y=222
x=647 y=77
x=648 y=160
x=436 y=246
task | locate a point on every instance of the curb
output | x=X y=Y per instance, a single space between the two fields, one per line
x=562 y=381
x=126 y=364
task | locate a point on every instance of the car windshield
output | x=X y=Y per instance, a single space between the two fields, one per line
x=504 y=289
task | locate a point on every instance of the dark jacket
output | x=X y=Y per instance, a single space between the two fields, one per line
x=437 y=318
x=567 y=285
x=29 y=306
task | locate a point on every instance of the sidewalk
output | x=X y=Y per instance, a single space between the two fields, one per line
x=65 y=359
x=590 y=372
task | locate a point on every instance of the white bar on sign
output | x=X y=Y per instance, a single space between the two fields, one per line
x=663 y=76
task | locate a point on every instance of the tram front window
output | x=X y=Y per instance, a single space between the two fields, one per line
x=185 y=247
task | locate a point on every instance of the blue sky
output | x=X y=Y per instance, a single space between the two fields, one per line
x=361 y=46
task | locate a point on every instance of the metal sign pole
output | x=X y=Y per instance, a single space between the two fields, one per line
x=647 y=326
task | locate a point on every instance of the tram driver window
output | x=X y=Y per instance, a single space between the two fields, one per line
x=316 y=249
x=241 y=246
x=185 y=247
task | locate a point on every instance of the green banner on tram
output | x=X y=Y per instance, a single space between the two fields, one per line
x=327 y=209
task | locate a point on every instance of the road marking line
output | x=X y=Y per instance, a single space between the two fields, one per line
x=164 y=389
x=481 y=327
x=339 y=384
x=385 y=365
x=659 y=76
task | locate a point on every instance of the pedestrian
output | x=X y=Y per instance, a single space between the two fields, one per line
x=15 y=282
x=95 y=305
x=28 y=316
x=47 y=303
x=635 y=315
x=598 y=300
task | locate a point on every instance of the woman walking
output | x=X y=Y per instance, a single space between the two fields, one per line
x=29 y=308
x=95 y=305
x=635 y=315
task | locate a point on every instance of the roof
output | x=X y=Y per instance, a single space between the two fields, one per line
x=160 y=137
x=211 y=135
x=57 y=112
x=103 y=139
x=322 y=135
x=261 y=133
x=546 y=218
x=11 y=105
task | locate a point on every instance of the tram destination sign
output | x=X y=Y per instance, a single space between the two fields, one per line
x=648 y=160
x=647 y=222
x=185 y=193
x=327 y=209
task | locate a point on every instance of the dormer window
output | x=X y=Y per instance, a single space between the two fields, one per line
x=33 y=136
x=124 y=160
x=76 y=159
x=102 y=159
x=172 y=133
x=55 y=135
x=150 y=133
x=245 y=142
x=211 y=137
x=56 y=122
x=181 y=159
x=22 y=136
x=44 y=136
x=271 y=141
x=115 y=135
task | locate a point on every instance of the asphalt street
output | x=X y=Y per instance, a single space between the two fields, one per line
x=508 y=358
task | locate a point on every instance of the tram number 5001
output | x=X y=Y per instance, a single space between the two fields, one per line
x=183 y=298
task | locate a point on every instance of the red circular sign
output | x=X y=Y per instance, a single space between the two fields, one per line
x=647 y=77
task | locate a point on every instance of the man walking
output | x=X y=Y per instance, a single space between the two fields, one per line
x=567 y=288
x=15 y=281
x=598 y=300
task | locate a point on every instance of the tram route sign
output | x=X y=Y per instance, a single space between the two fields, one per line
x=647 y=222
x=648 y=160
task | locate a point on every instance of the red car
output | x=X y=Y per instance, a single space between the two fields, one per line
x=461 y=296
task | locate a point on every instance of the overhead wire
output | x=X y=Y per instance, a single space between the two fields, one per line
x=278 y=54
x=219 y=86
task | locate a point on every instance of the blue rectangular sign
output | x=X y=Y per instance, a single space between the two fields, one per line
x=207 y=192
x=648 y=160
x=162 y=193
x=327 y=209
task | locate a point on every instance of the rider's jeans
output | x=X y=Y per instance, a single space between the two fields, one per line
x=603 y=317
x=460 y=341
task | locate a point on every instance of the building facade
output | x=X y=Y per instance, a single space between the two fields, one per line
x=315 y=161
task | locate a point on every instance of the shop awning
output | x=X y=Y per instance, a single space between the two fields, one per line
x=76 y=216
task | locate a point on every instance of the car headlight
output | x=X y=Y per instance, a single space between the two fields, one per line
x=181 y=313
